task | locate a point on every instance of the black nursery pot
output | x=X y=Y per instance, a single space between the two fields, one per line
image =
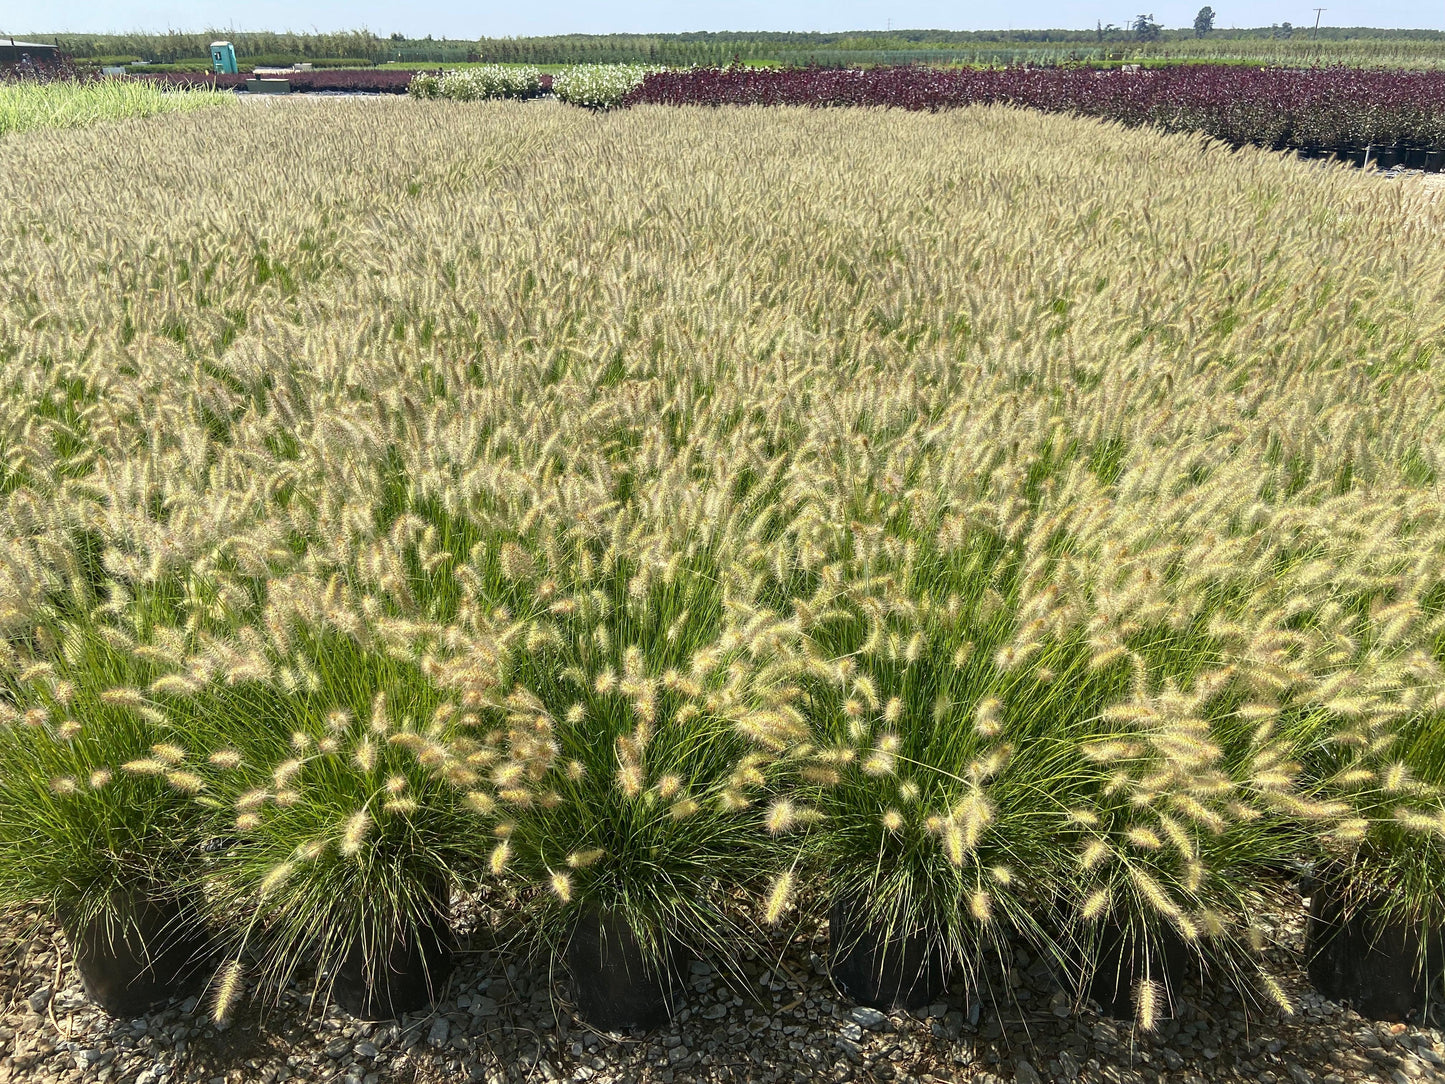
x=149 y=950
x=1434 y=161
x=1121 y=962
x=405 y=978
x=1355 y=955
x=613 y=985
x=1388 y=157
x=1414 y=158
x=883 y=968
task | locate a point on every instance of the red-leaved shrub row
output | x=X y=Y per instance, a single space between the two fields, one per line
x=1315 y=108
x=379 y=82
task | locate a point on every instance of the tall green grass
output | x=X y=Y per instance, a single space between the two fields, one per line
x=27 y=105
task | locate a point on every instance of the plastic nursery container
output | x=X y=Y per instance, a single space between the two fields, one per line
x=407 y=978
x=883 y=968
x=268 y=86
x=1388 y=157
x=1122 y=960
x=1357 y=956
x=613 y=985
x=149 y=950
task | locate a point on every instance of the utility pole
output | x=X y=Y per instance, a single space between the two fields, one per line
x=1316 y=33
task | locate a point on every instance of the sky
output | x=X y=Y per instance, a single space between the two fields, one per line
x=462 y=19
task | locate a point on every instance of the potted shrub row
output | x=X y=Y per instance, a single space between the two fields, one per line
x=621 y=748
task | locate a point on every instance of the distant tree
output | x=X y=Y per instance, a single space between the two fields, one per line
x=1146 y=29
x=1203 y=22
x=398 y=37
x=1281 y=30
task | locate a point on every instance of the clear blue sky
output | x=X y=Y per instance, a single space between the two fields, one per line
x=459 y=19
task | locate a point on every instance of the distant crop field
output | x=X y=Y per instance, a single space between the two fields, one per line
x=1276 y=46
x=984 y=526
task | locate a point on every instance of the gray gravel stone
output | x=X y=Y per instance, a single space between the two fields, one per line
x=39 y=999
x=870 y=1018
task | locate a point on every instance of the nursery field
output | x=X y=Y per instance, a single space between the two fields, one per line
x=646 y=534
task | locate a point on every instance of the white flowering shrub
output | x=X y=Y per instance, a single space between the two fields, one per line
x=477 y=84
x=598 y=86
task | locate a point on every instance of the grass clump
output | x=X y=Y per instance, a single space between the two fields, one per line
x=337 y=840
x=603 y=696
x=96 y=784
x=30 y=104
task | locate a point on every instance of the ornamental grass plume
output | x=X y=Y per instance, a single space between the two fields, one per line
x=332 y=851
x=1377 y=777
x=79 y=832
x=613 y=773
x=229 y=985
x=929 y=766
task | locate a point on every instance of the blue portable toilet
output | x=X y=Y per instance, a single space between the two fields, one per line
x=223 y=58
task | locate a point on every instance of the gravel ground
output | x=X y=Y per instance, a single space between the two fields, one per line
x=787 y=1023
x=1433 y=184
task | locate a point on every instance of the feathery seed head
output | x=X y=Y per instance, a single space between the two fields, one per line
x=353 y=835
x=561 y=885
x=779 y=898
x=583 y=859
x=275 y=878
x=228 y=991
x=186 y=782
x=980 y=907
x=1148 y=999
x=501 y=855
x=285 y=772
